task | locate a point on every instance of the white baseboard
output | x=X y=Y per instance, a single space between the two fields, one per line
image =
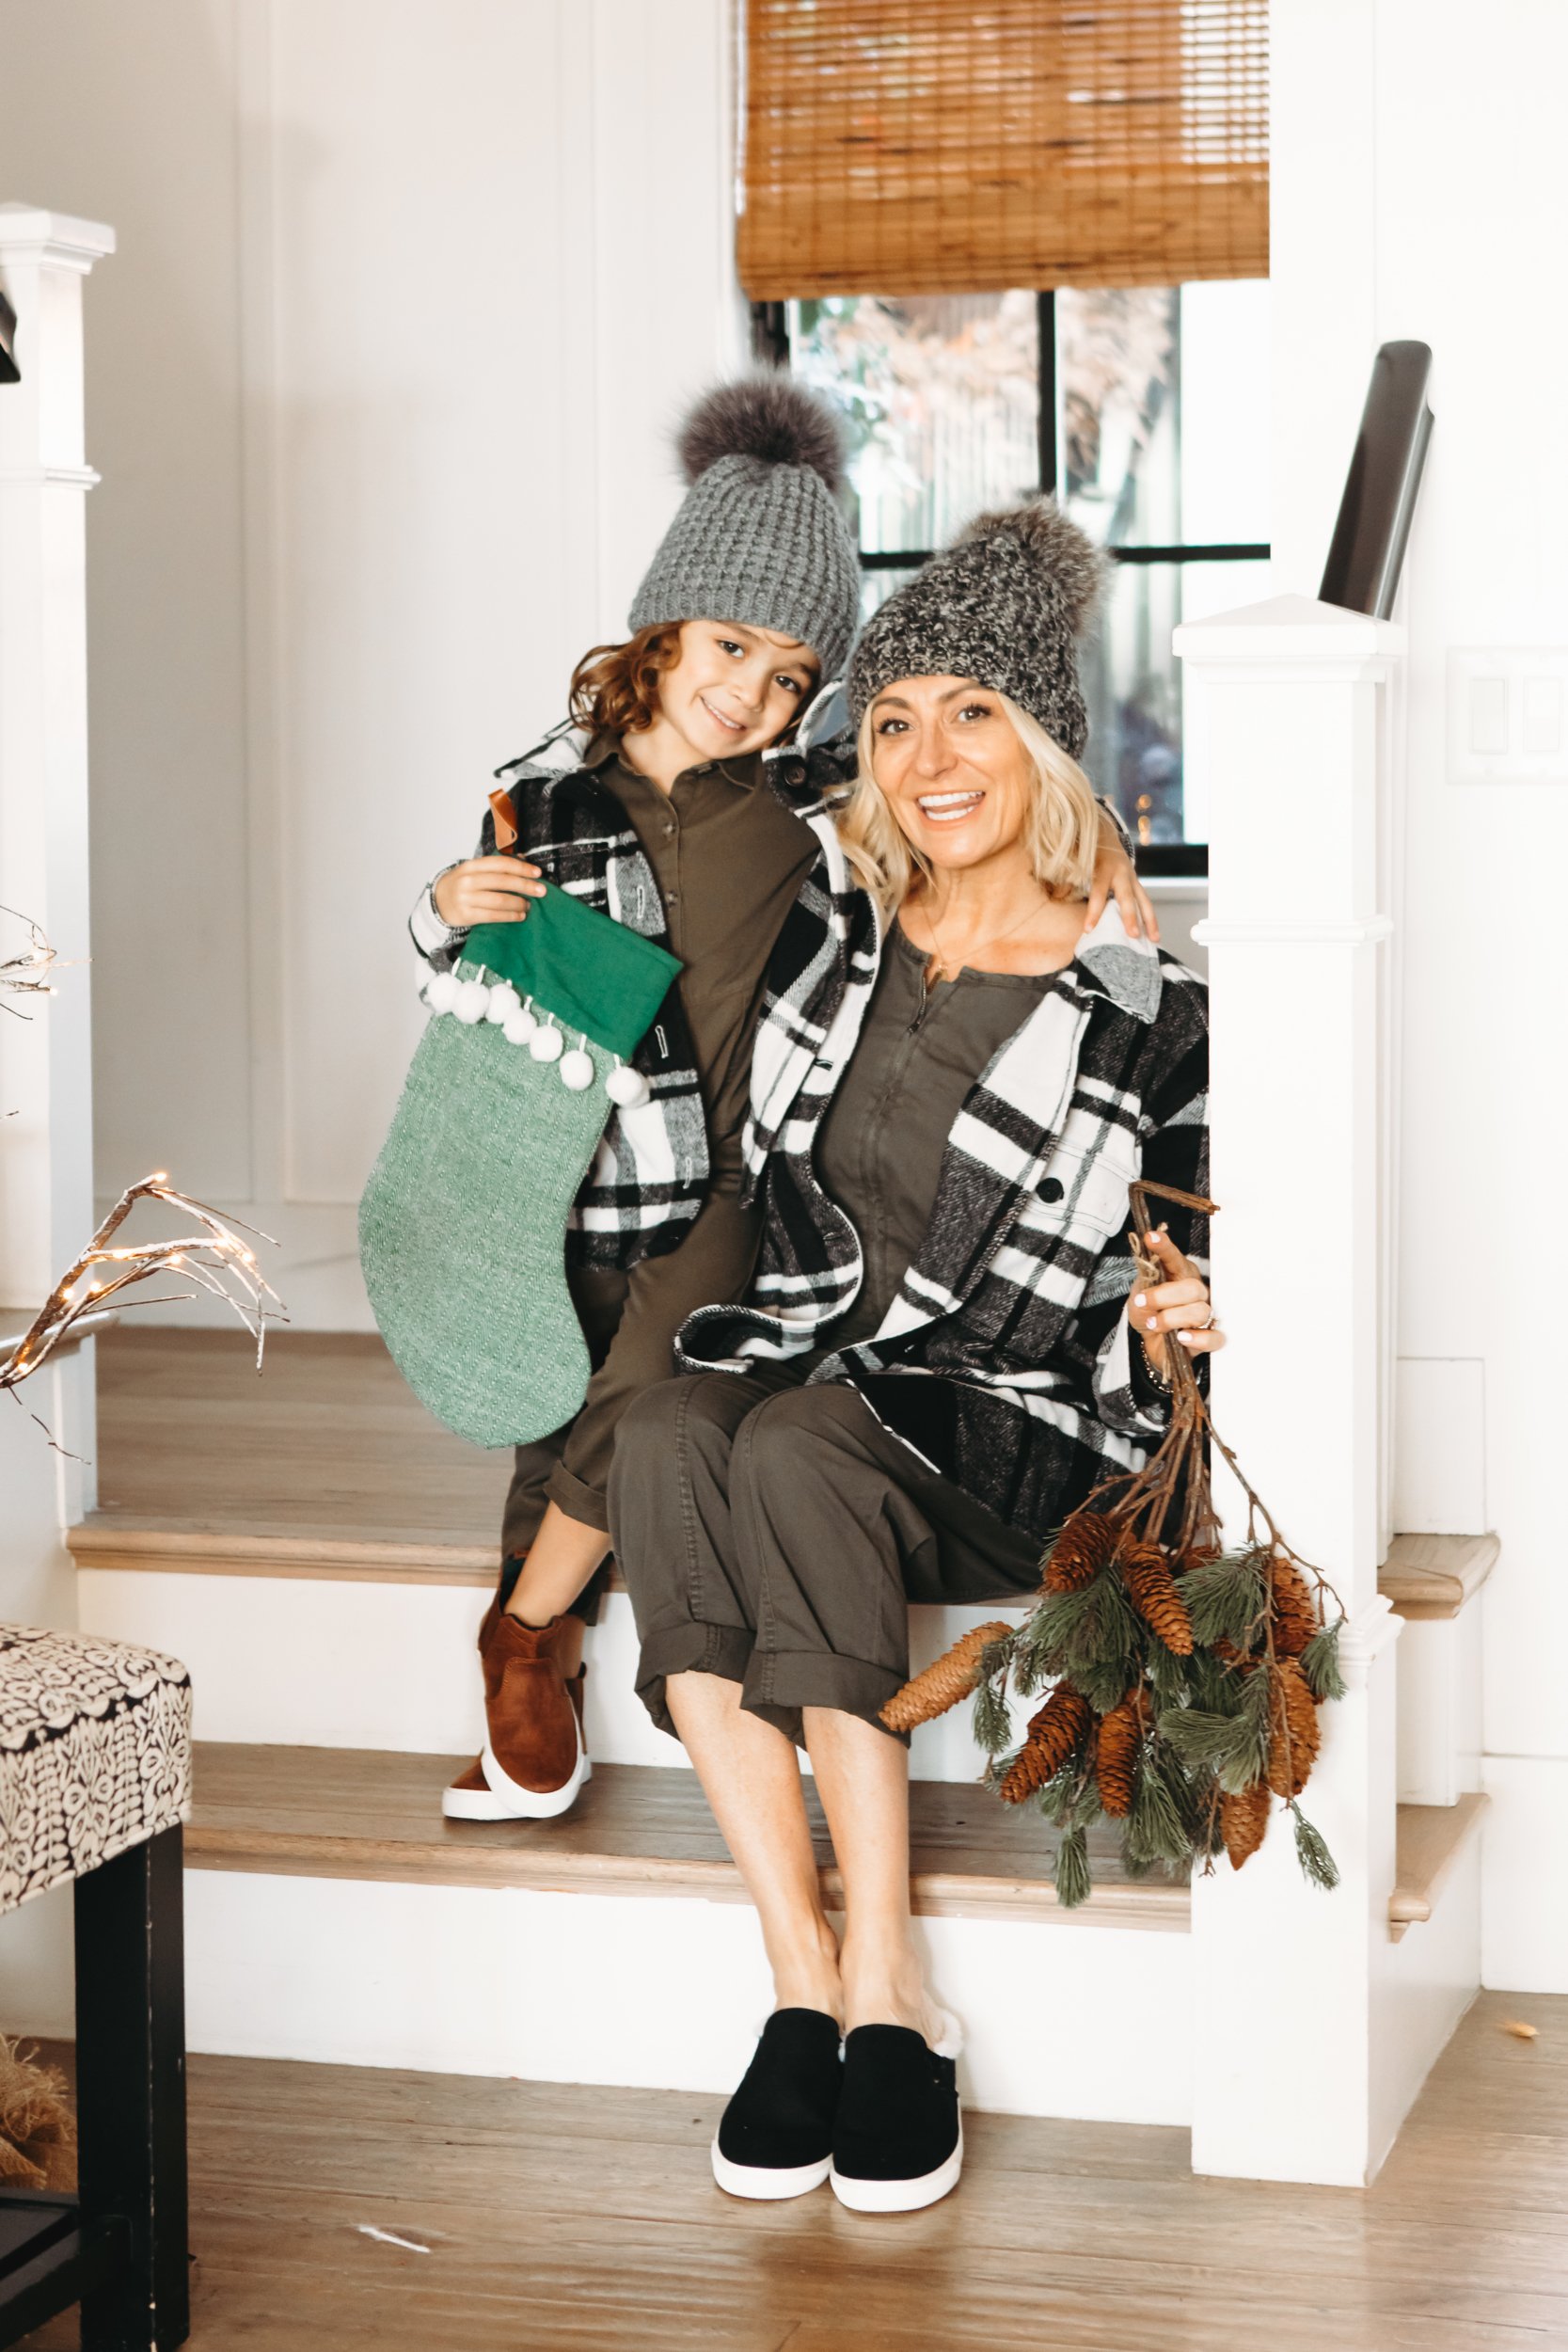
x=1525 y=1874
x=661 y=1992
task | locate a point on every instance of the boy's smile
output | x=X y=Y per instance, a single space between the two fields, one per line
x=735 y=688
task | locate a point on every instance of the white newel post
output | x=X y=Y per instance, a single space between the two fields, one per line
x=1287 y=722
x=46 y=1191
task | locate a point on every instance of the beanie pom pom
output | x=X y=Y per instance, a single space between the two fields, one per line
x=767 y=417
x=1076 y=566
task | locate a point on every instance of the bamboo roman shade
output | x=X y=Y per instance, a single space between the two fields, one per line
x=944 y=147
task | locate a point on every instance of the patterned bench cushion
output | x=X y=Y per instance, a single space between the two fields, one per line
x=95 y=1754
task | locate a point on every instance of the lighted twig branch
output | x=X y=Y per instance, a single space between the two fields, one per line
x=30 y=972
x=215 y=1260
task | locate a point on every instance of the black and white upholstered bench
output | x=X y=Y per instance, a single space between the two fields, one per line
x=95 y=1776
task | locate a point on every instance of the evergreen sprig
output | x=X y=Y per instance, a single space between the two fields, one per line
x=1224 y=1597
x=1319 y=1664
x=1317 y=1863
x=1232 y=1745
x=1073 y=1881
x=993 y=1725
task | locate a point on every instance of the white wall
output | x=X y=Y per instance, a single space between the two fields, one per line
x=1419 y=193
x=407 y=299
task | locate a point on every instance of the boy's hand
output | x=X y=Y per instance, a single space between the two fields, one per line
x=1114 y=877
x=486 y=890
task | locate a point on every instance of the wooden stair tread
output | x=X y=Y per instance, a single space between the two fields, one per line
x=1428 y=1577
x=635 y=1830
x=1429 y=1840
x=325 y=1464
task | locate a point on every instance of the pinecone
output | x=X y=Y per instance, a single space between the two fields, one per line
x=1054 y=1731
x=1295 y=1610
x=1117 y=1753
x=1080 y=1551
x=1243 y=1821
x=944 y=1684
x=1146 y=1575
x=1290 y=1710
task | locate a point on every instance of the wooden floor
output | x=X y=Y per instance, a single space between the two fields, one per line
x=327 y=1440
x=584 y=2220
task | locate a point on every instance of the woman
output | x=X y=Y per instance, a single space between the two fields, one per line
x=668 y=806
x=944 y=1350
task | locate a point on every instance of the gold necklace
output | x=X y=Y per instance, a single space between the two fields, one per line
x=941 y=963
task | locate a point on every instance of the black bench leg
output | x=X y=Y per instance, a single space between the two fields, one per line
x=130 y=2091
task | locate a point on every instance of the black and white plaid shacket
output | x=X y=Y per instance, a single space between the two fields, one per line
x=1016 y=1298
x=650 y=1175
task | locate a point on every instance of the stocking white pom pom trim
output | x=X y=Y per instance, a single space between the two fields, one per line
x=498 y=1001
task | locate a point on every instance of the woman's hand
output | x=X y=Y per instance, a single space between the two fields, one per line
x=486 y=890
x=1114 y=877
x=1179 y=1305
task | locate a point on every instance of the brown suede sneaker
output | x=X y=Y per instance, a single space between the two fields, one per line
x=535 y=1759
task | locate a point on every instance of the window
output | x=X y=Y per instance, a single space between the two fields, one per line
x=1144 y=409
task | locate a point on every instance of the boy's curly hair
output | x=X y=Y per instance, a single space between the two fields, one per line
x=615 y=688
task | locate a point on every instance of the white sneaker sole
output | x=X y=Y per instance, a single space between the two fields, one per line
x=484 y=1805
x=755 y=2180
x=901 y=2196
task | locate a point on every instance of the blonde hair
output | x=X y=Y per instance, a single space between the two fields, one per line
x=1061 y=828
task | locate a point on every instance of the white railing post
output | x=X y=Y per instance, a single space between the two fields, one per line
x=1287 y=724
x=46 y=1190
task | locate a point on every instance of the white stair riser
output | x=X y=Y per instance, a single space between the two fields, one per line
x=660 y=1991
x=302 y=1662
x=1525 y=1874
x=1440 y=1726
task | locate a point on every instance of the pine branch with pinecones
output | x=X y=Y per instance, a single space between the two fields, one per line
x=1184 y=1680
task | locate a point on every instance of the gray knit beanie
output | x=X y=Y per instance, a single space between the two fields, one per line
x=759 y=536
x=1004 y=605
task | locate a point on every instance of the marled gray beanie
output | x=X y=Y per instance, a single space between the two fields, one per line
x=759 y=536
x=1004 y=605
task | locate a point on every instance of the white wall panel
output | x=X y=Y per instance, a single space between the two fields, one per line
x=407 y=300
x=127 y=116
x=422 y=362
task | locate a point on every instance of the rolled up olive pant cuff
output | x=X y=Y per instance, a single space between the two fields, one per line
x=776 y=1535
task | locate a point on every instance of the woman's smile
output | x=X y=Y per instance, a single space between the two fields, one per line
x=949 y=808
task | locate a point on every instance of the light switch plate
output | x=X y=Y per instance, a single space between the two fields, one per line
x=1508 y=714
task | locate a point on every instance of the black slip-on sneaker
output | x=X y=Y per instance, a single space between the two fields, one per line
x=775 y=2138
x=898 y=2143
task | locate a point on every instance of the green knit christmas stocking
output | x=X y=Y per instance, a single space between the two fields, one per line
x=462 y=1228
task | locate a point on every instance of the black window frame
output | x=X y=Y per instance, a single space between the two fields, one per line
x=770 y=346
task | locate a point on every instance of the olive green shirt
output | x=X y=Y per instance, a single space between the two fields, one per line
x=880 y=1149
x=729 y=860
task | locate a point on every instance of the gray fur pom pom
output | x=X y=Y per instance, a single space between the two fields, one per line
x=1074 y=562
x=764 y=416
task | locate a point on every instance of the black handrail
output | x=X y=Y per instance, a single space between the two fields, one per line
x=10 y=371
x=1367 y=553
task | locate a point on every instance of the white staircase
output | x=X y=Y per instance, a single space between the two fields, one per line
x=333 y=1915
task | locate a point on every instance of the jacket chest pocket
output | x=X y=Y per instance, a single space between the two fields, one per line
x=1084 y=1186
